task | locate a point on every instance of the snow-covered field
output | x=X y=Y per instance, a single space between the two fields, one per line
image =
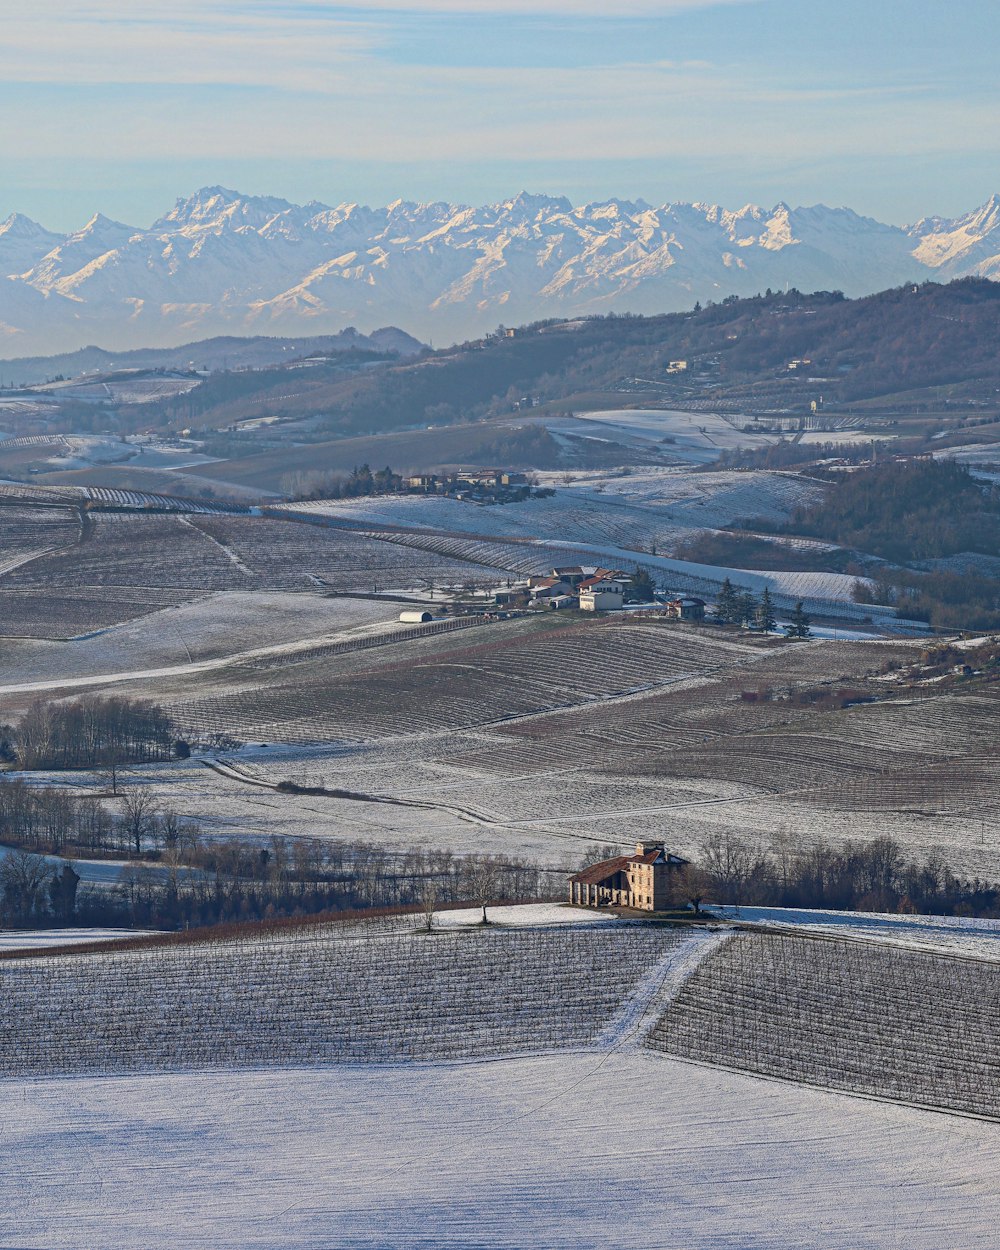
x=39 y=939
x=591 y=1140
x=566 y=1152
x=957 y=935
x=694 y=437
x=203 y=630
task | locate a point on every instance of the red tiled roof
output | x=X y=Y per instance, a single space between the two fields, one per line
x=594 y=874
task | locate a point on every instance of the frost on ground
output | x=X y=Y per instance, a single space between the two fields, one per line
x=325 y=996
x=957 y=935
x=38 y=939
x=575 y=1151
x=475 y=1088
x=871 y=1019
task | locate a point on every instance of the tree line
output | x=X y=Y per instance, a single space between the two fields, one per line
x=240 y=880
x=874 y=875
x=90 y=732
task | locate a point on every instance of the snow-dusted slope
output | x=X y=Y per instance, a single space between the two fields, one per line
x=222 y=262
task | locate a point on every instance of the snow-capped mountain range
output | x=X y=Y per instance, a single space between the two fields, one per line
x=224 y=263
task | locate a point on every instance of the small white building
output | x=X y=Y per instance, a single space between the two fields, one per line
x=602 y=596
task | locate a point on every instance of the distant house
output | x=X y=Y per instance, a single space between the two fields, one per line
x=599 y=594
x=686 y=608
x=512 y=596
x=643 y=881
x=492 y=478
x=550 y=588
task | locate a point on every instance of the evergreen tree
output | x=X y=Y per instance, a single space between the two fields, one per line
x=746 y=608
x=798 y=627
x=643 y=588
x=726 y=605
x=764 y=617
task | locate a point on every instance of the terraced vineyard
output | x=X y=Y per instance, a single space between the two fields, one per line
x=74 y=613
x=286 y=555
x=324 y=996
x=508 y=669
x=28 y=533
x=860 y=1017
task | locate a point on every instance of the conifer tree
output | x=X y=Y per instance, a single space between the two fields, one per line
x=726 y=605
x=746 y=608
x=764 y=617
x=799 y=625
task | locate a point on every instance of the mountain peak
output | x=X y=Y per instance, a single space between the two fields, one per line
x=17 y=226
x=211 y=205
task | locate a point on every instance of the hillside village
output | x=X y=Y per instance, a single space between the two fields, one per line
x=590 y=588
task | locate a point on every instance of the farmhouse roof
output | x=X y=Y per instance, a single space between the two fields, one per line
x=596 y=583
x=594 y=874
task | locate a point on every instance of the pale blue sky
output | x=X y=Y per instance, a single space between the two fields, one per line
x=889 y=106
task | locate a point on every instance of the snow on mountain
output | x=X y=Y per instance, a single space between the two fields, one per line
x=23 y=243
x=964 y=245
x=225 y=263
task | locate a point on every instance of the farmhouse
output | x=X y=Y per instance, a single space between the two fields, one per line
x=687 y=608
x=643 y=880
x=601 y=594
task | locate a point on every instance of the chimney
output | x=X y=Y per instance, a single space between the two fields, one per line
x=644 y=848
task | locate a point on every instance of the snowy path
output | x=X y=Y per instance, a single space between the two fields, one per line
x=659 y=988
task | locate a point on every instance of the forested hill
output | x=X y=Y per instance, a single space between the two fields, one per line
x=905 y=511
x=897 y=341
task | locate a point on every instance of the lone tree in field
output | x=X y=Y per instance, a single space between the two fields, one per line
x=799 y=626
x=428 y=903
x=484 y=879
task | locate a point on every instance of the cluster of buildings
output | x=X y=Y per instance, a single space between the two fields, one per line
x=475 y=484
x=592 y=589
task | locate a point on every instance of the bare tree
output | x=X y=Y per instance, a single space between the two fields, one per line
x=483 y=879
x=597 y=854
x=138 y=811
x=428 y=903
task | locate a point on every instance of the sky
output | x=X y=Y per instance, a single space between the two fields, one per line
x=889 y=106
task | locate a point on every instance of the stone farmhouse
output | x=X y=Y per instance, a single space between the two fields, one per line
x=643 y=881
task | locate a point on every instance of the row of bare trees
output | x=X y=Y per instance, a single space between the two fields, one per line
x=53 y=820
x=873 y=875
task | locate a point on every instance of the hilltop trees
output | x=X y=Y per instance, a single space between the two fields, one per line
x=903 y=511
x=90 y=732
